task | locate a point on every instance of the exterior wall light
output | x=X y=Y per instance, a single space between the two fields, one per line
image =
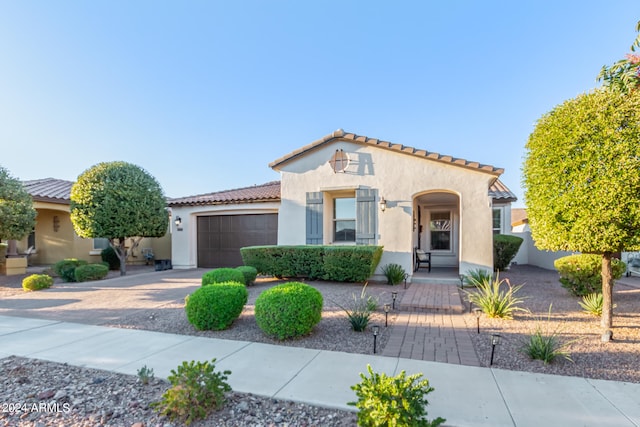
x=178 y=221
x=383 y=204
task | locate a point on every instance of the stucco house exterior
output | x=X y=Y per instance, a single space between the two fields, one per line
x=351 y=189
x=54 y=239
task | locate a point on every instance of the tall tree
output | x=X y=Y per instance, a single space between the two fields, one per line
x=118 y=201
x=581 y=176
x=624 y=75
x=17 y=215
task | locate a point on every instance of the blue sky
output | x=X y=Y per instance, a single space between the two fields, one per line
x=205 y=94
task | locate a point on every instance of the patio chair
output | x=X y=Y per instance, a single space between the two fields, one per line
x=28 y=254
x=422 y=260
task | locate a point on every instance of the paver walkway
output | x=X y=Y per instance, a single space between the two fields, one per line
x=430 y=326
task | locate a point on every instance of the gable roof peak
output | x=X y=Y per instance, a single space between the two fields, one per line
x=341 y=135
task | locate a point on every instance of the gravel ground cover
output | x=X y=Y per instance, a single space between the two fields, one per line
x=103 y=398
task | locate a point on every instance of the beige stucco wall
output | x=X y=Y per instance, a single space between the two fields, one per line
x=399 y=178
x=55 y=243
x=184 y=239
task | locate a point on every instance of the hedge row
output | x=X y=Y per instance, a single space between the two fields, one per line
x=335 y=263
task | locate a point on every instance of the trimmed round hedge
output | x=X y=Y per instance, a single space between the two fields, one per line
x=35 y=282
x=222 y=275
x=249 y=273
x=289 y=310
x=89 y=272
x=216 y=307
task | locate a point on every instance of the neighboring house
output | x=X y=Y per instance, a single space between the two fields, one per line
x=54 y=239
x=351 y=189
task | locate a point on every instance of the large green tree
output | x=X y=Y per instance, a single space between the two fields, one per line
x=581 y=176
x=17 y=215
x=118 y=201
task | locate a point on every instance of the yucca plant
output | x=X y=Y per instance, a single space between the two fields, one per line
x=362 y=308
x=394 y=273
x=477 y=276
x=496 y=298
x=592 y=304
x=546 y=345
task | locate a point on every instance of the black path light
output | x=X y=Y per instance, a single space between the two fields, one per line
x=375 y=329
x=495 y=340
x=387 y=307
x=406 y=276
x=478 y=312
x=462 y=276
x=394 y=295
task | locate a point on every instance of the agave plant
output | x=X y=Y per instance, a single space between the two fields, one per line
x=546 y=345
x=361 y=310
x=496 y=298
x=477 y=276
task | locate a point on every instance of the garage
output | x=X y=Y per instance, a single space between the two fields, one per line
x=220 y=237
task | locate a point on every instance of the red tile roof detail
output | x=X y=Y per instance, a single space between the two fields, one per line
x=49 y=190
x=341 y=135
x=498 y=191
x=258 y=193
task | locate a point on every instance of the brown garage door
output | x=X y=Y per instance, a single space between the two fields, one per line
x=220 y=237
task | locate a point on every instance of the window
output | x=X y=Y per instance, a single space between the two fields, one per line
x=497 y=221
x=344 y=219
x=100 y=243
x=440 y=229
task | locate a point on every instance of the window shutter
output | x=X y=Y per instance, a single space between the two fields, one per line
x=314 y=218
x=366 y=216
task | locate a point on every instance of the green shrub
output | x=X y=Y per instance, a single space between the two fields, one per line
x=222 y=275
x=582 y=274
x=195 y=389
x=35 y=282
x=145 y=375
x=351 y=263
x=505 y=248
x=496 y=300
x=285 y=261
x=477 y=276
x=361 y=310
x=109 y=256
x=394 y=273
x=249 y=273
x=399 y=401
x=545 y=345
x=216 y=307
x=88 y=272
x=337 y=263
x=66 y=268
x=289 y=310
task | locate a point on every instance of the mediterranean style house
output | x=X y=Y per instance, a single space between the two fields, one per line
x=348 y=189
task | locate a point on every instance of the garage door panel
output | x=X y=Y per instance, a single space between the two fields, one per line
x=220 y=237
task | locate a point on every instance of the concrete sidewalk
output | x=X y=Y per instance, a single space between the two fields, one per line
x=464 y=395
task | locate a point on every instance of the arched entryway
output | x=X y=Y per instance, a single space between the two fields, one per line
x=437 y=227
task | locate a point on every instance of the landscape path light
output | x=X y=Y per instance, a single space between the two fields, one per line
x=387 y=307
x=462 y=281
x=375 y=329
x=394 y=295
x=495 y=340
x=478 y=312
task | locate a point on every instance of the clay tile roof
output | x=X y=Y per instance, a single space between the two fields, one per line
x=258 y=193
x=49 y=190
x=498 y=191
x=341 y=135
x=518 y=216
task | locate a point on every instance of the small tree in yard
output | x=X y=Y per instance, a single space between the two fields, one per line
x=582 y=180
x=118 y=201
x=17 y=215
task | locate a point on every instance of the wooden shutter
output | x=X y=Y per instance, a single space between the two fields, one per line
x=366 y=216
x=314 y=218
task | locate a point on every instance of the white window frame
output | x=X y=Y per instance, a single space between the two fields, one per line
x=334 y=220
x=451 y=230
